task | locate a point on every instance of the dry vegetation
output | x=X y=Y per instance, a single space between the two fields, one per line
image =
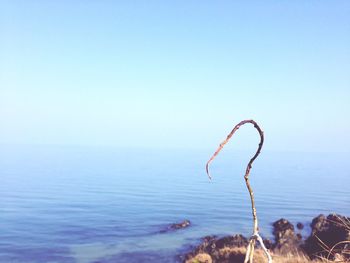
x=237 y=255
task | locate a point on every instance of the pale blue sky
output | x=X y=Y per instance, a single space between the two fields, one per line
x=175 y=73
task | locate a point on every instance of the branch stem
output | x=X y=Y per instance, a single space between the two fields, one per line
x=255 y=236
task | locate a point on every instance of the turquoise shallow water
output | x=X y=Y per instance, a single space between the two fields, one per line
x=81 y=204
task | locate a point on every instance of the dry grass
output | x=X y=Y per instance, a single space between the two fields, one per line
x=200 y=258
x=236 y=255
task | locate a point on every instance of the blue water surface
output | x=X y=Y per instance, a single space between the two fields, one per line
x=104 y=204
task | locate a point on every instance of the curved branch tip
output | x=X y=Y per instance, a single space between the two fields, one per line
x=207 y=169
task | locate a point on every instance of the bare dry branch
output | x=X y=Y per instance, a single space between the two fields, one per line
x=255 y=235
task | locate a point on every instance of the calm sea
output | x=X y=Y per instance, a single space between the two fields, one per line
x=76 y=204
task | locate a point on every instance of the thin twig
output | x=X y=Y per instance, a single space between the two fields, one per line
x=255 y=235
x=339 y=243
x=322 y=244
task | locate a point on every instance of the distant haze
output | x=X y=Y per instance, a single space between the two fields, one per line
x=175 y=73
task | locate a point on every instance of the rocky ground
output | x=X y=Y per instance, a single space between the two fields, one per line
x=329 y=238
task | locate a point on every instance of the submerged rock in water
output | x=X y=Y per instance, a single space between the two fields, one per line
x=330 y=231
x=183 y=224
x=180 y=225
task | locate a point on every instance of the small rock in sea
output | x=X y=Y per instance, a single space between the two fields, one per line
x=182 y=224
x=300 y=226
x=176 y=226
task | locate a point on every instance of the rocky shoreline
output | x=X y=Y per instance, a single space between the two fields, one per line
x=329 y=238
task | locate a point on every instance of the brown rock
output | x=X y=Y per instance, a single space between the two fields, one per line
x=300 y=226
x=220 y=250
x=183 y=224
x=328 y=230
x=285 y=239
